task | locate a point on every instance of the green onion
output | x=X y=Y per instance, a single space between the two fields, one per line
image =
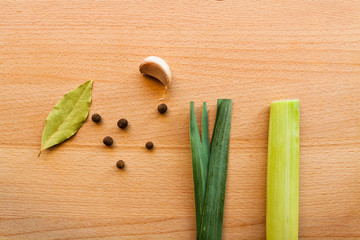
x=209 y=204
x=282 y=193
x=199 y=162
x=205 y=134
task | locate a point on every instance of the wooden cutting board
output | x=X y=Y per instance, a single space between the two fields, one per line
x=254 y=52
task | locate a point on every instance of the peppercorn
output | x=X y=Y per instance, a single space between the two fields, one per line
x=120 y=164
x=122 y=123
x=96 y=117
x=149 y=145
x=108 y=141
x=162 y=108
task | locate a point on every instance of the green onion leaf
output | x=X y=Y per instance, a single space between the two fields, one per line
x=199 y=162
x=205 y=134
x=212 y=219
x=282 y=193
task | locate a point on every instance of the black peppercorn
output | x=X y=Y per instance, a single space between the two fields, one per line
x=122 y=123
x=108 y=141
x=162 y=108
x=96 y=117
x=120 y=164
x=149 y=145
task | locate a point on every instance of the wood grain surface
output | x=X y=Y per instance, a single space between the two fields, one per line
x=254 y=52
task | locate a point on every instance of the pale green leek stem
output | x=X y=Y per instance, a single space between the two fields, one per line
x=282 y=193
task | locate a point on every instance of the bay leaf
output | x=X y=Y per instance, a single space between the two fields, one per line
x=67 y=116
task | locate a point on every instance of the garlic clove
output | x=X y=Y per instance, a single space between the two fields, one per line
x=156 y=67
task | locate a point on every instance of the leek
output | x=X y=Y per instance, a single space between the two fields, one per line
x=282 y=193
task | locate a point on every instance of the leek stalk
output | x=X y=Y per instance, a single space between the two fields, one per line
x=282 y=192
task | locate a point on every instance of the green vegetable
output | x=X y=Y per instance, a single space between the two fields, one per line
x=210 y=169
x=68 y=116
x=199 y=162
x=205 y=134
x=282 y=201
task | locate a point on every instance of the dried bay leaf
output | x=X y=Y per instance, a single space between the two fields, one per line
x=68 y=115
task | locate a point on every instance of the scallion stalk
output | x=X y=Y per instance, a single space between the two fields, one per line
x=199 y=153
x=209 y=198
x=212 y=221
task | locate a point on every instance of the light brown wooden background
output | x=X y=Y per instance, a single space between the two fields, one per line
x=251 y=51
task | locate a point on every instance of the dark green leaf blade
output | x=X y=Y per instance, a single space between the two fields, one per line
x=67 y=116
x=212 y=219
x=205 y=133
x=219 y=101
x=199 y=163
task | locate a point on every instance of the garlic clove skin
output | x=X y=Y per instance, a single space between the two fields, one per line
x=156 y=67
